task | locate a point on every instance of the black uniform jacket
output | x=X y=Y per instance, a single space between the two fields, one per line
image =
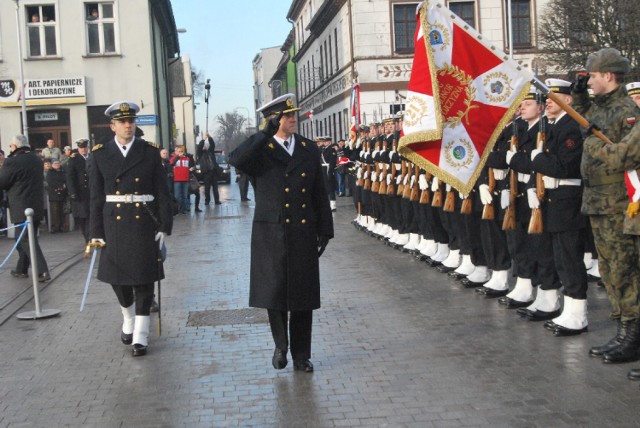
x=57 y=185
x=131 y=254
x=21 y=175
x=561 y=159
x=78 y=185
x=292 y=210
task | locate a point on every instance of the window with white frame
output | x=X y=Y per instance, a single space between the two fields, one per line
x=42 y=27
x=101 y=28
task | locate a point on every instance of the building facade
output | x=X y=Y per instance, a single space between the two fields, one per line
x=340 y=42
x=78 y=58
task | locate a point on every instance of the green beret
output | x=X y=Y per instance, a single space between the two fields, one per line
x=608 y=60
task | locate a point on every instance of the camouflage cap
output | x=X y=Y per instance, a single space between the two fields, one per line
x=608 y=60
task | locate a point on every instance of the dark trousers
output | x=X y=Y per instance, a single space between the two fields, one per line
x=83 y=224
x=297 y=326
x=57 y=215
x=243 y=184
x=568 y=252
x=211 y=184
x=494 y=244
x=141 y=295
x=473 y=238
x=24 y=256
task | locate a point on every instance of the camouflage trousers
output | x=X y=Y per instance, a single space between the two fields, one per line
x=619 y=264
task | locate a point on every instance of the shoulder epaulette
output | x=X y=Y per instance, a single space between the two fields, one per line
x=97 y=147
x=154 y=145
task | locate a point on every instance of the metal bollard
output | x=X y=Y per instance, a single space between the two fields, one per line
x=38 y=313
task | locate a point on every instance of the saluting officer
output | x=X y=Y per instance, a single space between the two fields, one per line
x=78 y=186
x=292 y=225
x=131 y=215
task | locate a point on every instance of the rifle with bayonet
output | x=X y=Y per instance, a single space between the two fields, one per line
x=375 y=184
x=535 y=223
x=489 y=210
x=425 y=196
x=415 y=190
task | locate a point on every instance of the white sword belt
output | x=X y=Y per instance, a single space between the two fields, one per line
x=129 y=199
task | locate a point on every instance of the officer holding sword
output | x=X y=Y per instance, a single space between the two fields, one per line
x=130 y=217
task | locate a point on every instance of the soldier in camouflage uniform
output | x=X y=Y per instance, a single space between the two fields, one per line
x=605 y=200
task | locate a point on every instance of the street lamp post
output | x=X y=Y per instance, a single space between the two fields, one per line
x=25 y=127
x=207 y=88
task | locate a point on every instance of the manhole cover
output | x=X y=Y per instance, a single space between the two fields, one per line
x=226 y=317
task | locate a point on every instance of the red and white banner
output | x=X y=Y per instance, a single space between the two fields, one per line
x=462 y=93
x=354 y=106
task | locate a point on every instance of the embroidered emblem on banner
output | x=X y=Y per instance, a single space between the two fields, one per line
x=497 y=87
x=456 y=94
x=416 y=111
x=459 y=154
x=439 y=36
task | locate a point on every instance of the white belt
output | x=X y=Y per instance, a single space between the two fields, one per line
x=129 y=199
x=569 y=182
x=523 y=178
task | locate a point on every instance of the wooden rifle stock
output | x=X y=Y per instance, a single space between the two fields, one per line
x=449 y=202
x=415 y=190
x=375 y=184
x=383 y=178
x=403 y=174
x=425 y=196
x=391 y=187
x=467 y=205
x=509 y=222
x=489 y=210
x=437 y=201
x=535 y=223
x=367 y=181
x=407 y=187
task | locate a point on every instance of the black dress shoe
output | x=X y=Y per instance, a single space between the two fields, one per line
x=127 y=339
x=198 y=210
x=303 y=366
x=524 y=312
x=139 y=350
x=512 y=303
x=561 y=331
x=44 y=276
x=279 y=359
x=550 y=325
x=18 y=274
x=445 y=269
x=471 y=284
x=457 y=275
x=634 y=374
x=490 y=293
x=592 y=278
x=218 y=203
x=542 y=315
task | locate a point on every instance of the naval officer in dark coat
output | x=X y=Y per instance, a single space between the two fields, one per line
x=291 y=227
x=78 y=185
x=131 y=215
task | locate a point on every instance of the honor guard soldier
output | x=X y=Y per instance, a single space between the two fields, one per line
x=292 y=225
x=605 y=198
x=78 y=186
x=558 y=163
x=130 y=216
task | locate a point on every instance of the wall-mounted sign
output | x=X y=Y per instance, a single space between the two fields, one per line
x=45 y=117
x=146 y=119
x=43 y=91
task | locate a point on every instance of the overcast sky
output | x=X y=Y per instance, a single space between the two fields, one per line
x=222 y=39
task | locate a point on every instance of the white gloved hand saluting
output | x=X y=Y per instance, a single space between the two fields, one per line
x=160 y=238
x=532 y=198
x=485 y=194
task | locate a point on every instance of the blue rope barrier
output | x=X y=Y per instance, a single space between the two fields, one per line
x=24 y=229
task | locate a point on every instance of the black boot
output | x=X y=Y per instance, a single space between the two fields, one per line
x=629 y=349
x=598 y=351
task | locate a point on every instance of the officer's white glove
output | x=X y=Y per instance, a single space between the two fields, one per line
x=448 y=187
x=99 y=241
x=510 y=154
x=550 y=182
x=504 y=198
x=160 y=238
x=499 y=174
x=389 y=178
x=359 y=174
x=413 y=180
x=422 y=182
x=532 y=198
x=485 y=194
x=374 y=176
x=434 y=184
x=535 y=153
x=398 y=179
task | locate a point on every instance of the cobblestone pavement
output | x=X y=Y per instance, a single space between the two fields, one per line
x=396 y=344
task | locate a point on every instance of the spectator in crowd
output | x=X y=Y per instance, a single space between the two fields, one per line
x=206 y=158
x=21 y=177
x=51 y=151
x=64 y=157
x=243 y=183
x=182 y=166
x=57 y=191
x=166 y=164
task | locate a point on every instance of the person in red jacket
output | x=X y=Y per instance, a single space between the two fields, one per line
x=182 y=166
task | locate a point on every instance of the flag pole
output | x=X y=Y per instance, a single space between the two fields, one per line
x=570 y=111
